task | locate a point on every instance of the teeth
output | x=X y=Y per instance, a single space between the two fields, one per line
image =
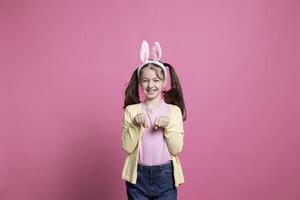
x=151 y=91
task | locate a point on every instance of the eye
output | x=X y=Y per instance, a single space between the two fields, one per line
x=156 y=80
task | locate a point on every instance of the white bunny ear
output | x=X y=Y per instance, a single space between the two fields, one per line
x=144 y=52
x=156 y=52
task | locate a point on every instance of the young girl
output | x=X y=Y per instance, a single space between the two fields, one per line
x=152 y=130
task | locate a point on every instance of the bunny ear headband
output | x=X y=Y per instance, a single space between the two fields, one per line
x=155 y=54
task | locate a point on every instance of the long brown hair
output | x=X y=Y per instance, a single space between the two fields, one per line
x=173 y=96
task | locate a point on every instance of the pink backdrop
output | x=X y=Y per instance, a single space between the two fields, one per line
x=64 y=66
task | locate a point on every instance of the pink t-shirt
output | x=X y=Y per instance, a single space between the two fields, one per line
x=153 y=148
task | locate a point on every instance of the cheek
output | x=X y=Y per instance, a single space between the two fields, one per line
x=160 y=87
x=143 y=85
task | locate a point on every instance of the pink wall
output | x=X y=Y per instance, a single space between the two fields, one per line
x=64 y=66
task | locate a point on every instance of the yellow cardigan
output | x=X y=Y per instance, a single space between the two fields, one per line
x=131 y=138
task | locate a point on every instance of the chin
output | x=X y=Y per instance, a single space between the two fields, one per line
x=150 y=98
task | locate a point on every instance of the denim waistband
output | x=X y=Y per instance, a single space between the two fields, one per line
x=167 y=165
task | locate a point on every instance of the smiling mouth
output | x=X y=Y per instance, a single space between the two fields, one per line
x=151 y=91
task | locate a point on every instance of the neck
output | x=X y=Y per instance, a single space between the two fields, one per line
x=153 y=103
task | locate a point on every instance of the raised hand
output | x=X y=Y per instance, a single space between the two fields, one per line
x=141 y=119
x=161 y=122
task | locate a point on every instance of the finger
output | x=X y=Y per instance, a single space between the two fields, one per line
x=139 y=120
x=136 y=120
x=143 y=120
x=156 y=121
x=160 y=122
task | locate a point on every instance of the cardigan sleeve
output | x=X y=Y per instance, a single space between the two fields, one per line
x=130 y=133
x=174 y=132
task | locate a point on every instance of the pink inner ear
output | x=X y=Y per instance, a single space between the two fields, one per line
x=155 y=53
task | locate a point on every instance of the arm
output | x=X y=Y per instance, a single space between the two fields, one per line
x=130 y=133
x=174 y=132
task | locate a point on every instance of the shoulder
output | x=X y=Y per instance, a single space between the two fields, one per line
x=175 y=115
x=175 y=111
x=133 y=108
x=174 y=108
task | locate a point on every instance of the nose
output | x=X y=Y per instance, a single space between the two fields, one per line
x=150 y=84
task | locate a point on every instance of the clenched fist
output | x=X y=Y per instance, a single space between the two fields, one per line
x=141 y=119
x=161 y=122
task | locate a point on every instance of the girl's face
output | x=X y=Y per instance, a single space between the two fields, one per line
x=151 y=84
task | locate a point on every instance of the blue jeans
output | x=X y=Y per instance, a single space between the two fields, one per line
x=153 y=183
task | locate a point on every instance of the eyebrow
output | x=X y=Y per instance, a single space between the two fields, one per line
x=147 y=78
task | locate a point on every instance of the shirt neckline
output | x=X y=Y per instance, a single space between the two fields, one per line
x=153 y=109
